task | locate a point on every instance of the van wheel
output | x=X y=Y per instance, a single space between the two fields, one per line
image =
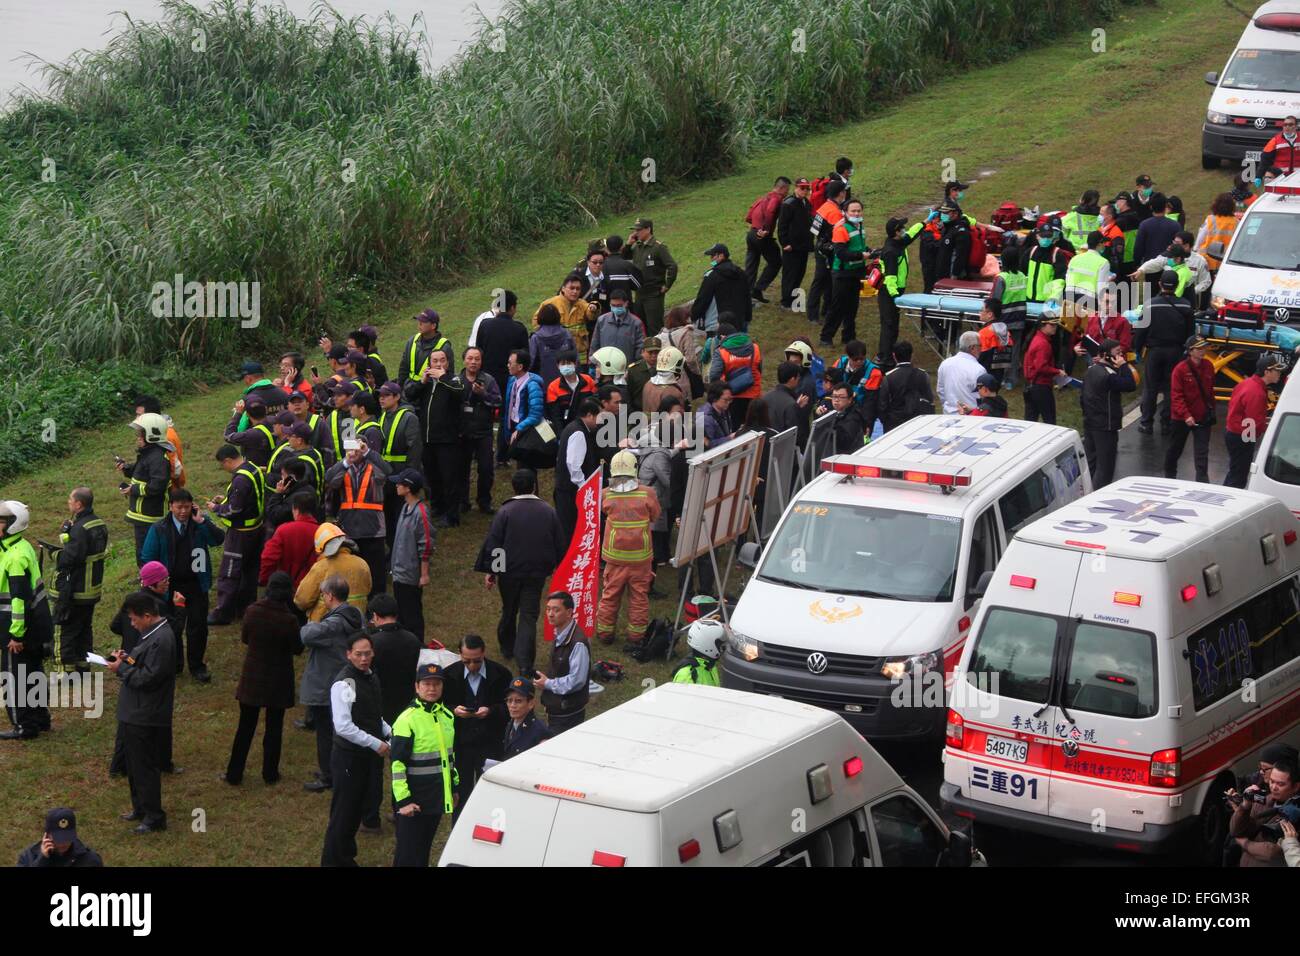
x=1211 y=832
x=1209 y=162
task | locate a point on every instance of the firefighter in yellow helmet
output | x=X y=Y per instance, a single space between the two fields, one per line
x=629 y=508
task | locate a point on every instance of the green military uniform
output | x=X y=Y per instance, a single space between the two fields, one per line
x=658 y=273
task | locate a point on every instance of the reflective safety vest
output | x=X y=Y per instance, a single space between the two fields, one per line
x=424 y=738
x=1217 y=229
x=856 y=237
x=627 y=526
x=255 y=475
x=1015 y=288
x=698 y=670
x=312 y=457
x=359 y=502
x=270 y=436
x=389 y=428
x=274 y=462
x=410 y=360
x=734 y=363
x=91 y=577
x=371 y=425
x=1083 y=274
x=1185 y=276
x=336 y=439
x=1041 y=282
x=1130 y=244
x=1075 y=227
x=18 y=560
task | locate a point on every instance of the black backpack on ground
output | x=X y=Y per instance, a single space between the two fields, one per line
x=658 y=639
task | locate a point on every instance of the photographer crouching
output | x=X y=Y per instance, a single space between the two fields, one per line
x=1269 y=807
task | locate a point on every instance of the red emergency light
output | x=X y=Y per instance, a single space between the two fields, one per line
x=1288 y=537
x=1285 y=22
x=845 y=465
x=601 y=858
x=1166 y=767
x=688 y=851
x=1277 y=188
x=488 y=835
x=1189 y=593
x=852 y=767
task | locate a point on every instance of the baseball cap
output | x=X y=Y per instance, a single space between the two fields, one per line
x=61 y=825
x=896 y=223
x=1143 y=180
x=1124 y=195
x=987 y=380
x=643 y=223
x=355 y=357
x=428 y=315
x=802 y=182
x=652 y=343
x=345 y=388
x=1169 y=279
x=1195 y=342
x=428 y=670
x=297 y=396
x=716 y=248
x=1269 y=361
x=521 y=685
x=254 y=402
x=250 y=368
x=286 y=418
x=301 y=430
x=409 y=477
x=390 y=388
x=955 y=184
x=338 y=351
x=371 y=331
x=152 y=572
x=949 y=206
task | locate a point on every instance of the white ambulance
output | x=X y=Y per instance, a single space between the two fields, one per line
x=1133 y=652
x=694 y=776
x=1258 y=87
x=1276 y=468
x=867 y=584
x=1261 y=268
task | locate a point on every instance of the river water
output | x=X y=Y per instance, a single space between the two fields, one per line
x=53 y=30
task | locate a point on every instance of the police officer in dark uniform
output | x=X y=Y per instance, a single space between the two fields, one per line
x=78 y=582
x=257 y=440
x=59 y=846
x=243 y=509
x=1171 y=324
x=524 y=729
x=658 y=273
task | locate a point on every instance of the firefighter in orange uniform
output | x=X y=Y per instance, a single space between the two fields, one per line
x=630 y=508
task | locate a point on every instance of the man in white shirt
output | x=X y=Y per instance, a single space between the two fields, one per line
x=578 y=457
x=959 y=373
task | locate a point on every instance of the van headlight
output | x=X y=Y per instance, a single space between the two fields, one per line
x=1218 y=118
x=896 y=668
x=743 y=645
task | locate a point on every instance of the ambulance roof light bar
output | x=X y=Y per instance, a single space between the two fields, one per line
x=946 y=479
x=1286 y=22
x=1288 y=185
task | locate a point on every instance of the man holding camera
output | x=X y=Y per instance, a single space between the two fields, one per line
x=1257 y=813
x=1107 y=377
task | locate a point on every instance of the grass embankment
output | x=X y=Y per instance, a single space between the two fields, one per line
x=315 y=159
x=1043 y=128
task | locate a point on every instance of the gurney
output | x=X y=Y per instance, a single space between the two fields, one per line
x=941 y=318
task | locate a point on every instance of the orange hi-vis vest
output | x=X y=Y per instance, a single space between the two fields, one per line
x=1217 y=229
x=628 y=516
x=359 y=502
x=734 y=363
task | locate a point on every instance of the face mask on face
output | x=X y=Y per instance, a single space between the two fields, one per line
x=568 y=370
x=960 y=195
x=856 y=220
x=713 y=263
x=1146 y=193
x=619 y=310
x=945 y=218
x=1044 y=241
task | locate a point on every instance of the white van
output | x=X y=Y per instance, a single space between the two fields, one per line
x=1258 y=87
x=1276 y=468
x=868 y=580
x=1133 y=652
x=1262 y=266
x=686 y=775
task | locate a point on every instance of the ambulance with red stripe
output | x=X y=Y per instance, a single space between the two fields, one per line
x=863 y=596
x=1134 y=651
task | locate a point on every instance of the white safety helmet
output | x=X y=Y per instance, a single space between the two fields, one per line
x=707 y=638
x=610 y=361
x=154 y=427
x=623 y=465
x=670 y=360
x=19 y=515
x=803 y=351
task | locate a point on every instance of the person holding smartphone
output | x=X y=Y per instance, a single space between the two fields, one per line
x=59 y=845
x=1106 y=379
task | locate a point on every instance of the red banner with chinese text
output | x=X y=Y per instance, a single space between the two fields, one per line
x=579 y=572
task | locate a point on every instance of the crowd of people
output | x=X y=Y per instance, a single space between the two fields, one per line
x=343 y=480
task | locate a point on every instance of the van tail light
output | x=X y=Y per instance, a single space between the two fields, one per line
x=688 y=851
x=488 y=835
x=1189 y=593
x=963 y=625
x=601 y=858
x=1022 y=581
x=1289 y=537
x=954 y=734
x=1166 y=767
x=852 y=767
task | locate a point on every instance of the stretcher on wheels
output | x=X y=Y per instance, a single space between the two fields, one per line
x=952 y=308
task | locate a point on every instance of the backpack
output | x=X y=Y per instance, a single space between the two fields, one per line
x=754 y=208
x=819 y=191
x=607 y=670
x=979 y=246
x=1006 y=216
x=658 y=641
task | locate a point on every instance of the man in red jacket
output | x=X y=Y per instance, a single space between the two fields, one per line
x=1283 y=150
x=1191 y=410
x=1248 y=416
x=760 y=241
x=1108 y=323
x=1040 y=373
x=292 y=548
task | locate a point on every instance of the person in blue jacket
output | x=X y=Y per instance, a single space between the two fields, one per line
x=523 y=404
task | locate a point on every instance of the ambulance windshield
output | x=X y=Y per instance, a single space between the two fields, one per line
x=1283 y=462
x=1268 y=240
x=1277 y=71
x=868 y=552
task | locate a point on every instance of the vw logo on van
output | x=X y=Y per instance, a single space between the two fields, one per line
x=1281 y=315
x=817 y=662
x=1261 y=123
x=1070 y=748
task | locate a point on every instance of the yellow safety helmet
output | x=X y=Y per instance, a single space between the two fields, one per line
x=670 y=360
x=804 y=352
x=610 y=361
x=325 y=534
x=623 y=465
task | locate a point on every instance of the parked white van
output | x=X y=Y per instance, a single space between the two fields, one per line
x=687 y=775
x=869 y=578
x=1258 y=87
x=1262 y=264
x=1276 y=468
x=1134 y=651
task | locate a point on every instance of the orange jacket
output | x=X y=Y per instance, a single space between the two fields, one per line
x=628 y=516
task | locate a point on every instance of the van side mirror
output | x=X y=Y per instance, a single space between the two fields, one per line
x=1215 y=250
x=1212 y=78
x=982 y=584
x=961 y=850
x=748 y=554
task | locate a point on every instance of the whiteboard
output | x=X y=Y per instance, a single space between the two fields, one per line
x=719 y=489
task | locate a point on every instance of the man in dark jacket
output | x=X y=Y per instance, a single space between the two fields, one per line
x=326 y=642
x=521 y=550
x=478 y=405
x=144 y=708
x=1103 y=413
x=397 y=655
x=403 y=447
x=905 y=391
x=576 y=458
x=793 y=222
x=78 y=582
x=724 y=289
x=620 y=274
x=524 y=729
x=147 y=478
x=954 y=244
x=499 y=335
x=848 y=426
x=1171 y=323
x=437 y=395
x=59 y=846
x=243 y=509
x=785 y=409
x=474 y=688
x=1155 y=233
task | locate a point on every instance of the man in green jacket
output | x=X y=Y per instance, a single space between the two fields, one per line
x=894 y=264
x=424 y=768
x=658 y=273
